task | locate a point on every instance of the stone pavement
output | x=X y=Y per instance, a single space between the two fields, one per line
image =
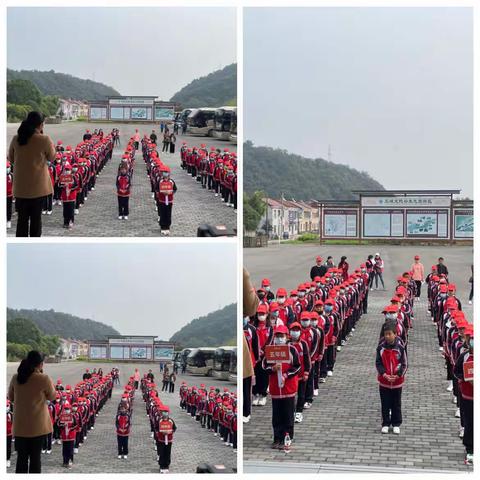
x=192 y=445
x=99 y=216
x=343 y=425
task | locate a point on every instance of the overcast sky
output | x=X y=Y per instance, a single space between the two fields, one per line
x=140 y=289
x=390 y=89
x=137 y=51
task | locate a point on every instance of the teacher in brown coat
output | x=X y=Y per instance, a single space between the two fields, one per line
x=29 y=391
x=29 y=153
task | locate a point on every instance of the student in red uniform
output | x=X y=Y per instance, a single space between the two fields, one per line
x=391 y=364
x=466 y=393
x=122 y=424
x=68 y=195
x=123 y=192
x=263 y=330
x=66 y=423
x=166 y=428
x=166 y=191
x=9 y=194
x=9 y=432
x=283 y=392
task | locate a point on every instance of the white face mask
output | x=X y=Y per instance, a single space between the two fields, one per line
x=390 y=316
x=301 y=294
x=295 y=334
x=312 y=289
x=319 y=284
x=314 y=323
x=305 y=323
x=281 y=300
x=294 y=298
x=267 y=288
x=328 y=308
x=262 y=318
x=280 y=340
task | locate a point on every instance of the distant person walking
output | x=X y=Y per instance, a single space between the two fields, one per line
x=161 y=127
x=29 y=391
x=343 y=266
x=370 y=270
x=418 y=275
x=172 y=380
x=441 y=267
x=166 y=141
x=29 y=153
x=378 y=266
x=136 y=378
x=165 y=380
x=173 y=139
x=136 y=139
x=153 y=137
x=318 y=270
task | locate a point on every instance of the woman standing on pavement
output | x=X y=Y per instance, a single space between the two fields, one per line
x=378 y=266
x=172 y=139
x=418 y=275
x=29 y=391
x=29 y=153
x=166 y=141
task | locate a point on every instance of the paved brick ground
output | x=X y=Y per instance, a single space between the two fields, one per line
x=192 y=446
x=99 y=216
x=343 y=425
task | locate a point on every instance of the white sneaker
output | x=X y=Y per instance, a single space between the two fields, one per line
x=44 y=212
x=339 y=348
x=246 y=419
x=440 y=349
x=454 y=400
x=469 y=459
x=353 y=329
x=167 y=233
x=120 y=217
x=60 y=202
x=298 y=417
x=151 y=435
x=385 y=429
x=216 y=194
x=125 y=217
x=119 y=456
x=450 y=386
x=457 y=413
x=8 y=463
x=461 y=432
x=43 y=451
x=469 y=302
x=49 y=452
x=49 y=212
x=255 y=400
x=77 y=211
x=315 y=392
x=262 y=402
x=322 y=379
x=125 y=457
x=396 y=430
x=329 y=373
x=343 y=342
x=75 y=450
x=9 y=224
x=307 y=405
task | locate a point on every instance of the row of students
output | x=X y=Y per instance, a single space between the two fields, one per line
x=163 y=187
x=214 y=169
x=215 y=411
x=162 y=426
x=455 y=336
x=315 y=321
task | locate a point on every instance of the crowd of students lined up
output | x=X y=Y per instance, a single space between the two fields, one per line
x=316 y=320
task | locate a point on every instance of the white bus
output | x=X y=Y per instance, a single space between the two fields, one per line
x=222 y=361
x=200 y=361
x=201 y=121
x=224 y=117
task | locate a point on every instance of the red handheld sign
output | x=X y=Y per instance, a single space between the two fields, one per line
x=468 y=371
x=277 y=353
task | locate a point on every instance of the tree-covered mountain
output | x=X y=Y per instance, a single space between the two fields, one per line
x=215 y=329
x=63 y=85
x=63 y=325
x=215 y=90
x=276 y=171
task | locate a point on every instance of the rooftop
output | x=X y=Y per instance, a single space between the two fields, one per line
x=406 y=192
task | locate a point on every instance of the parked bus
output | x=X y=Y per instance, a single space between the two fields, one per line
x=201 y=121
x=180 y=358
x=200 y=361
x=223 y=122
x=233 y=366
x=233 y=128
x=181 y=117
x=222 y=361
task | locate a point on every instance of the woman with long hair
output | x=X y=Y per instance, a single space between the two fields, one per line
x=29 y=153
x=29 y=391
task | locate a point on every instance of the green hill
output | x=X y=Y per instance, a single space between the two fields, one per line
x=215 y=90
x=216 y=329
x=63 y=325
x=63 y=85
x=276 y=171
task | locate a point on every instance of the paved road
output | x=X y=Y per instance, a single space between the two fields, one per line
x=99 y=216
x=193 y=445
x=342 y=427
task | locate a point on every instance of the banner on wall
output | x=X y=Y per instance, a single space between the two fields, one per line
x=340 y=223
x=164 y=113
x=463 y=227
x=98 y=113
x=163 y=352
x=138 y=352
x=376 y=225
x=98 y=351
x=422 y=224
